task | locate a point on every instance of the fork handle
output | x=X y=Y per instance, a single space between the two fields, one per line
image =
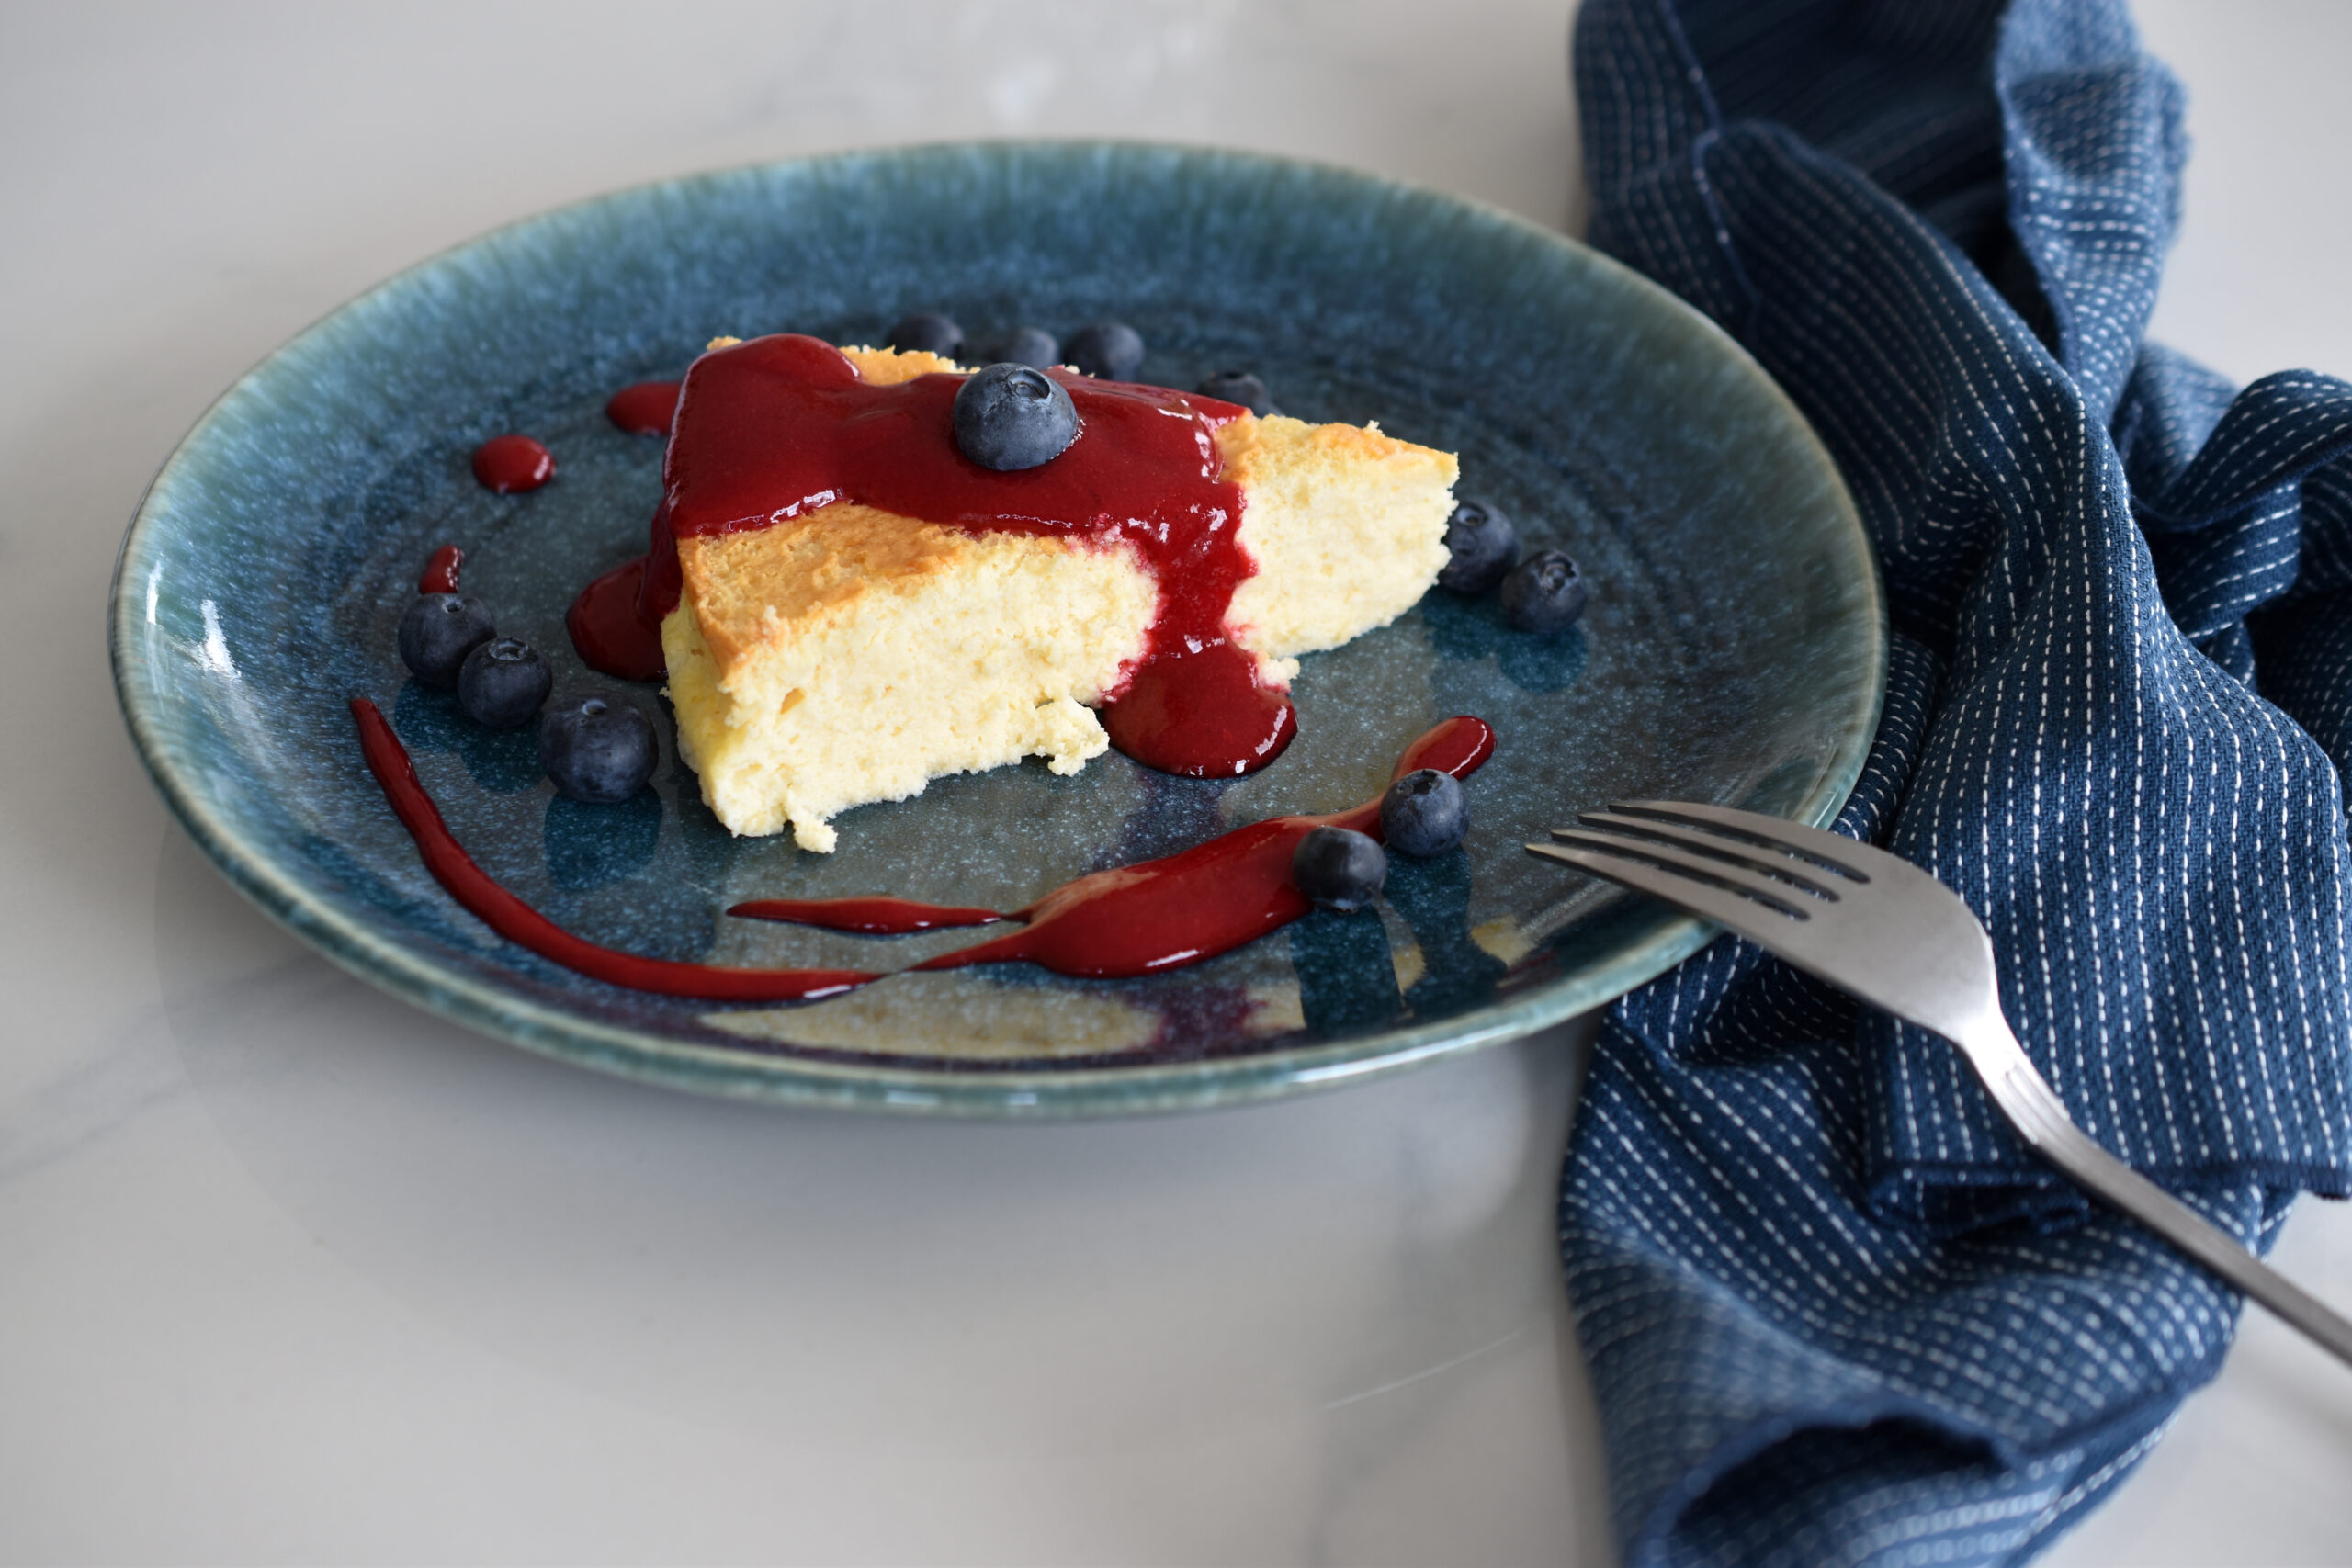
x=2035 y=1110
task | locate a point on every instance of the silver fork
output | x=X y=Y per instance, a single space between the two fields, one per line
x=1882 y=929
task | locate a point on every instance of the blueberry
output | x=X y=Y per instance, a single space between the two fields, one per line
x=927 y=331
x=437 y=633
x=1032 y=346
x=1009 y=416
x=1483 y=545
x=1424 y=814
x=1239 y=386
x=502 y=683
x=1543 y=594
x=1338 y=868
x=1112 y=350
x=597 y=747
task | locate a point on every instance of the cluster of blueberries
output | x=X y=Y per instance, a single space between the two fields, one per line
x=598 y=747
x=1542 y=593
x=1011 y=415
x=1424 y=814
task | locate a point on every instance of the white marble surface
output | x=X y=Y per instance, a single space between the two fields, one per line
x=296 y=1272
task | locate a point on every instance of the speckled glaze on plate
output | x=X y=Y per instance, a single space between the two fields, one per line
x=1733 y=650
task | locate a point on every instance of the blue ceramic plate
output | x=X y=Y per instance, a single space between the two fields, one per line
x=1732 y=652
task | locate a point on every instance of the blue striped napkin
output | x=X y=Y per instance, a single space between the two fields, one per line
x=1835 y=1312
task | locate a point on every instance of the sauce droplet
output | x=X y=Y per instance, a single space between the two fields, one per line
x=512 y=464
x=645 y=408
x=610 y=631
x=440 y=574
x=1201 y=715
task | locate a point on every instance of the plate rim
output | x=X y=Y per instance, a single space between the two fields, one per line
x=997 y=1093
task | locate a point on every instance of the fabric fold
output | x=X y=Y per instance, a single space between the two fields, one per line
x=1835 y=1310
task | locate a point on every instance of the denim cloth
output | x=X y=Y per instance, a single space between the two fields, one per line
x=1835 y=1311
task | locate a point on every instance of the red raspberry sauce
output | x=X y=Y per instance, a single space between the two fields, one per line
x=519 y=923
x=1137 y=920
x=867 y=917
x=1162 y=914
x=511 y=464
x=645 y=408
x=440 y=574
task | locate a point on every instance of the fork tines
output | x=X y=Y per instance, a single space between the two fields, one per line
x=1662 y=849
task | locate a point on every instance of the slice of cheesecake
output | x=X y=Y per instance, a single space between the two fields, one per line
x=827 y=651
